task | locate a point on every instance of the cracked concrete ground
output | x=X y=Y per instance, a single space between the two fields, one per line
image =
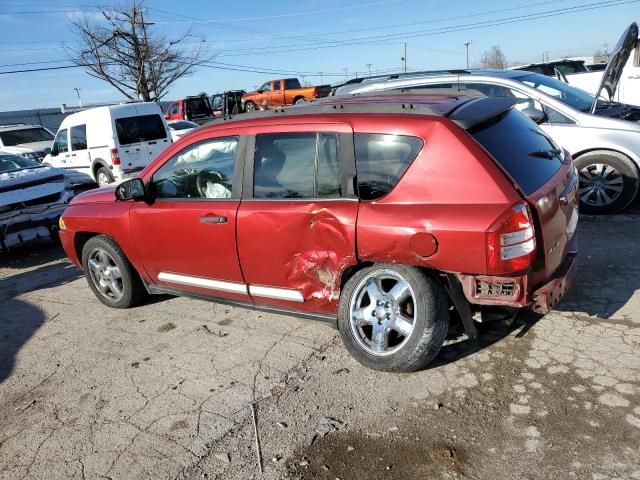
x=162 y=391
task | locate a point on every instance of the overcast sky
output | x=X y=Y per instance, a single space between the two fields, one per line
x=292 y=38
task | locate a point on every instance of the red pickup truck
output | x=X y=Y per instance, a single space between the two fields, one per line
x=280 y=93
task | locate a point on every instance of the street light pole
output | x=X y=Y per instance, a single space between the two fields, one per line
x=369 y=67
x=404 y=59
x=78 y=94
x=466 y=44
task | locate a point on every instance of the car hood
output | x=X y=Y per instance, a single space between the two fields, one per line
x=617 y=61
x=98 y=195
x=250 y=94
x=28 y=147
x=30 y=183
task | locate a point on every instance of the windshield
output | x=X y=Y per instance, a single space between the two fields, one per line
x=10 y=163
x=572 y=96
x=25 y=135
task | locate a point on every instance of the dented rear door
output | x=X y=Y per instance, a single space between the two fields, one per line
x=297 y=219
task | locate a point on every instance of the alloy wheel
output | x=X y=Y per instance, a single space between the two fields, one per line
x=382 y=312
x=600 y=184
x=105 y=275
x=103 y=179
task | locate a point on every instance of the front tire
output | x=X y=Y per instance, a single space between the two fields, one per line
x=249 y=107
x=393 y=317
x=608 y=182
x=103 y=177
x=110 y=274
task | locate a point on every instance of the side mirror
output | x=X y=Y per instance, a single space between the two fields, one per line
x=47 y=151
x=534 y=114
x=130 y=190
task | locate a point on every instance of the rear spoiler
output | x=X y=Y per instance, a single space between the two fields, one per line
x=480 y=110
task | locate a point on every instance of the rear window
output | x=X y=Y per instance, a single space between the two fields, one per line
x=198 y=106
x=381 y=159
x=521 y=148
x=291 y=83
x=142 y=128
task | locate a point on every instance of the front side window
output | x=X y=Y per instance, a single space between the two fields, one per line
x=61 y=143
x=79 y=137
x=201 y=171
x=296 y=165
x=381 y=159
x=266 y=87
x=173 y=110
x=141 y=128
x=217 y=103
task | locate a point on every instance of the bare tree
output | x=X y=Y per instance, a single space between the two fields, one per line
x=493 y=58
x=122 y=50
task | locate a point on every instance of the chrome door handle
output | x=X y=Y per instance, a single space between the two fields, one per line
x=213 y=219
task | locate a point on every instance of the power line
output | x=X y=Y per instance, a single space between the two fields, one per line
x=438 y=31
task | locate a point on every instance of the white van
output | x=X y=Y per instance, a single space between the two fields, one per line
x=108 y=144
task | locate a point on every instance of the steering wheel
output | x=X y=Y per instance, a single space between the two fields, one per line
x=204 y=177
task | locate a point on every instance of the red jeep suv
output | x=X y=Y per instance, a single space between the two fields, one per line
x=385 y=214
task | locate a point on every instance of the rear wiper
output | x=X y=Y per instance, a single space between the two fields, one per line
x=549 y=154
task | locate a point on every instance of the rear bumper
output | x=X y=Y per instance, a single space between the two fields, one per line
x=517 y=291
x=548 y=296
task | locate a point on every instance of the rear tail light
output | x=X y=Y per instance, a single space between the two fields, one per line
x=115 y=156
x=511 y=244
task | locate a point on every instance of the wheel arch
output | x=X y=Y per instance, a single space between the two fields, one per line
x=96 y=164
x=620 y=151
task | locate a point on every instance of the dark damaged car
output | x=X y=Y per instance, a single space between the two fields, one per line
x=32 y=198
x=388 y=216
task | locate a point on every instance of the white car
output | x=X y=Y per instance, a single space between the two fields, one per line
x=32 y=198
x=179 y=128
x=109 y=144
x=29 y=141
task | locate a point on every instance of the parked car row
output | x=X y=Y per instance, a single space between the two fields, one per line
x=602 y=136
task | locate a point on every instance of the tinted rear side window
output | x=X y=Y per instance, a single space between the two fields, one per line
x=381 y=159
x=142 y=128
x=522 y=149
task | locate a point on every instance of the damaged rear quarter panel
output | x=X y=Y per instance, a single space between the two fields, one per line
x=450 y=192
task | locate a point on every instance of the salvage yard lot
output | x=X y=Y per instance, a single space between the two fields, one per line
x=163 y=390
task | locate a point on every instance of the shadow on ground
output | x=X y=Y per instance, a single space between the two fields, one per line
x=608 y=271
x=19 y=320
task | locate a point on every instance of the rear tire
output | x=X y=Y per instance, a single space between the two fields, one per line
x=608 y=181
x=410 y=323
x=299 y=101
x=103 y=177
x=110 y=274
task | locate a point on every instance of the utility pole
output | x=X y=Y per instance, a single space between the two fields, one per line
x=404 y=59
x=321 y=81
x=369 y=67
x=345 y=70
x=466 y=44
x=78 y=94
x=606 y=51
